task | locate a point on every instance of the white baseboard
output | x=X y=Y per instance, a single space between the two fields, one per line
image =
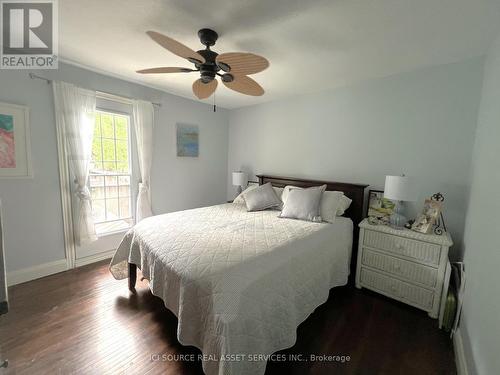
x=35 y=272
x=95 y=258
x=47 y=269
x=458 y=347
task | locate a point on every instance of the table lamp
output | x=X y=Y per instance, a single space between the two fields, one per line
x=240 y=179
x=399 y=189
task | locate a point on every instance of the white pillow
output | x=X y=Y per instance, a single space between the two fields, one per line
x=333 y=203
x=261 y=198
x=286 y=190
x=241 y=200
x=278 y=191
x=303 y=204
x=330 y=204
x=344 y=205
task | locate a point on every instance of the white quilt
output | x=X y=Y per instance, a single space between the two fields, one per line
x=239 y=282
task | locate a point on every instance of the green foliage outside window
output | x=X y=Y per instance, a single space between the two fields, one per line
x=110 y=153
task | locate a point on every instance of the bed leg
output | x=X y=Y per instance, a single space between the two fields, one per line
x=132 y=276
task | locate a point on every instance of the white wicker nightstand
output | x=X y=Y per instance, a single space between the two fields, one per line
x=403 y=264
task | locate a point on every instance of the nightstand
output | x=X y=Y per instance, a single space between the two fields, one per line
x=402 y=264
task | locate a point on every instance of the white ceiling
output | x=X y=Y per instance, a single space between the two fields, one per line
x=312 y=45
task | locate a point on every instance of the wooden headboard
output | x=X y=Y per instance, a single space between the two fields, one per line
x=356 y=192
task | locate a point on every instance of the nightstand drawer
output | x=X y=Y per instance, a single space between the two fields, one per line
x=400 y=290
x=421 y=251
x=414 y=272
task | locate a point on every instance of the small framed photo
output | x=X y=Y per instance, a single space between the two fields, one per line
x=424 y=222
x=379 y=208
x=15 y=148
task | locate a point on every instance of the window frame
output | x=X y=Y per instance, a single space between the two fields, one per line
x=130 y=173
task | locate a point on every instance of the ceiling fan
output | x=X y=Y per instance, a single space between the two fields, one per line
x=236 y=66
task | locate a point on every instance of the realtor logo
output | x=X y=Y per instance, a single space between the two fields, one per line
x=28 y=34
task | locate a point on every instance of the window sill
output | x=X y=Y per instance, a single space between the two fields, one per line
x=113 y=233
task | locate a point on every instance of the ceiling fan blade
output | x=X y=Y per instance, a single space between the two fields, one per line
x=242 y=63
x=204 y=90
x=175 y=47
x=166 y=69
x=245 y=85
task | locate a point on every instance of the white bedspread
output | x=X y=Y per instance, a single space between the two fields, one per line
x=239 y=282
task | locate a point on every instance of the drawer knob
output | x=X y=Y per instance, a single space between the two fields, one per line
x=399 y=246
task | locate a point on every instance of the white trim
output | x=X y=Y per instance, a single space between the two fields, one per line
x=121 y=77
x=35 y=272
x=50 y=268
x=458 y=348
x=114 y=233
x=95 y=258
x=134 y=81
x=113 y=97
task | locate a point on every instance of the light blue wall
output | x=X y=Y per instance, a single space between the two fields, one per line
x=481 y=314
x=32 y=208
x=421 y=123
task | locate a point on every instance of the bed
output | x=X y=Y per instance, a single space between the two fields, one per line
x=241 y=282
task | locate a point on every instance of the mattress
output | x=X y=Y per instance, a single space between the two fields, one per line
x=239 y=282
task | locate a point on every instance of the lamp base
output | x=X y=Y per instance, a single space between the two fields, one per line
x=397 y=220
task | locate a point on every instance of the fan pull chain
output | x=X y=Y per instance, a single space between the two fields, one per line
x=215 y=108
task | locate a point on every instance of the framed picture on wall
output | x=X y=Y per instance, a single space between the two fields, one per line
x=15 y=147
x=379 y=208
x=187 y=140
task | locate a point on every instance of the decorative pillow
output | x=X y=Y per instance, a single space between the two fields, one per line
x=261 y=198
x=344 y=205
x=241 y=200
x=286 y=190
x=334 y=199
x=330 y=205
x=279 y=193
x=303 y=204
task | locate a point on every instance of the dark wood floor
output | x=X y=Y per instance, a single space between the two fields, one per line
x=83 y=321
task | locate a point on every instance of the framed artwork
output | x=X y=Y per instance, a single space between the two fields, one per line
x=379 y=208
x=187 y=140
x=424 y=222
x=15 y=147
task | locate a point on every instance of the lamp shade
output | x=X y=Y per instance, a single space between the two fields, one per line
x=400 y=188
x=240 y=179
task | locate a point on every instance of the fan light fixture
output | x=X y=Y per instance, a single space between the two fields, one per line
x=235 y=65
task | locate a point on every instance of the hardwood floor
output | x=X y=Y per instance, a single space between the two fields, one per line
x=85 y=322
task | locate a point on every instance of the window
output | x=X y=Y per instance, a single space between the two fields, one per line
x=110 y=173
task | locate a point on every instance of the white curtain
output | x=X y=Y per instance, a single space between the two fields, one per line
x=75 y=115
x=143 y=123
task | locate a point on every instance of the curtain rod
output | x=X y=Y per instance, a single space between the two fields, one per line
x=102 y=94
